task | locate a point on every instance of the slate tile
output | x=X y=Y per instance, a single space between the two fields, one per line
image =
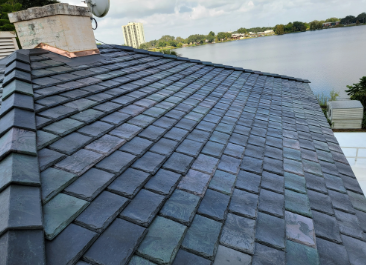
x=356 y=249
x=116 y=118
x=234 y=150
x=273 y=165
x=17 y=118
x=58 y=112
x=88 y=116
x=316 y=183
x=149 y=162
x=326 y=227
x=90 y=184
x=21 y=169
x=190 y=147
x=223 y=182
x=320 y=202
x=129 y=183
x=270 y=231
x=126 y=131
x=20 y=208
x=69 y=245
x=300 y=229
x=312 y=167
x=143 y=208
x=272 y=203
x=272 y=182
x=162 y=241
x=349 y=224
x=17 y=86
x=81 y=104
x=358 y=201
x=202 y=227
x=79 y=162
x=15 y=246
x=238 y=233
x=176 y=134
x=47 y=158
x=309 y=155
x=54 y=181
x=297 y=203
x=153 y=133
x=362 y=219
x=293 y=166
x=214 y=205
x=184 y=257
x=229 y=164
x=301 y=254
x=70 y=143
x=341 y=201
x=248 y=181
x=351 y=184
x=213 y=149
x=264 y=255
x=106 y=144
x=295 y=182
x=178 y=163
x=331 y=253
x=164 y=147
x=96 y=129
x=225 y=256
x=136 y=260
x=163 y=182
x=195 y=182
x=18 y=141
x=116 y=162
x=206 y=164
x=112 y=249
x=252 y=165
x=59 y=212
x=181 y=207
x=63 y=127
x=41 y=121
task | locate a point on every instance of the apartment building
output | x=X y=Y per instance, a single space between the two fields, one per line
x=134 y=34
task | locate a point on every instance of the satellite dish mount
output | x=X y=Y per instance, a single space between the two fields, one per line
x=99 y=8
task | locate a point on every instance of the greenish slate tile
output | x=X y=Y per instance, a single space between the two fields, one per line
x=20 y=169
x=63 y=127
x=300 y=254
x=293 y=166
x=18 y=141
x=292 y=154
x=358 y=201
x=53 y=181
x=60 y=212
x=17 y=86
x=300 y=229
x=163 y=240
x=181 y=207
x=208 y=229
x=238 y=233
x=334 y=183
x=228 y=256
x=44 y=139
x=136 y=260
x=297 y=203
x=223 y=182
x=295 y=182
x=312 y=167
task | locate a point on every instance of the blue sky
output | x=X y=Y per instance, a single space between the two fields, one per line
x=185 y=17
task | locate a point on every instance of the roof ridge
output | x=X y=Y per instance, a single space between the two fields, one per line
x=20 y=186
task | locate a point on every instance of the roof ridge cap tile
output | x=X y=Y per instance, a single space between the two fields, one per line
x=20 y=192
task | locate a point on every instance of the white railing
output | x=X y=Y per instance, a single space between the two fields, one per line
x=357 y=149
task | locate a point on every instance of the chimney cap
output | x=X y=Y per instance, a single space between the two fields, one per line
x=49 y=10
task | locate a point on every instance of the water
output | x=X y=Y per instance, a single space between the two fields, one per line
x=330 y=59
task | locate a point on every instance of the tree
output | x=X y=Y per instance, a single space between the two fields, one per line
x=167 y=38
x=357 y=22
x=299 y=26
x=362 y=17
x=314 y=25
x=221 y=36
x=332 y=19
x=358 y=91
x=211 y=36
x=161 y=44
x=242 y=31
x=279 y=29
x=289 y=28
x=179 y=39
x=33 y=3
x=348 y=20
x=6 y=7
x=144 y=46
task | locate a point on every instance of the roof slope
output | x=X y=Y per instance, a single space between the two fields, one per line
x=145 y=158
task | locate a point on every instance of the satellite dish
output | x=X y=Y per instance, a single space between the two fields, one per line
x=99 y=8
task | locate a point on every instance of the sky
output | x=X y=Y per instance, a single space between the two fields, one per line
x=186 y=17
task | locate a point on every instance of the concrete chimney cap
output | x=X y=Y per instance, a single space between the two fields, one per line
x=49 y=10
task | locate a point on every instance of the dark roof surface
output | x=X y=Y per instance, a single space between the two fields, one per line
x=131 y=157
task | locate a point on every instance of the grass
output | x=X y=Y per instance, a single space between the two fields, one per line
x=324 y=98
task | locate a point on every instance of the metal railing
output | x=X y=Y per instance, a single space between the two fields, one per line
x=355 y=157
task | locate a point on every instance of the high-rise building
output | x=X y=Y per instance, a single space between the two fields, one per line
x=134 y=34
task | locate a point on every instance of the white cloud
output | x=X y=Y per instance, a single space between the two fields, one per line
x=185 y=17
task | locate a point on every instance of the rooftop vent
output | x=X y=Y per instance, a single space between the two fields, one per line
x=60 y=28
x=345 y=114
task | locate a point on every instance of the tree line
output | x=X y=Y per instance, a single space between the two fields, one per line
x=178 y=42
x=298 y=26
x=8 y=6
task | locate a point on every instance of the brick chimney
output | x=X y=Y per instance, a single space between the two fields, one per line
x=60 y=28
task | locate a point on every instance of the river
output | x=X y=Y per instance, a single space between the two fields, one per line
x=330 y=58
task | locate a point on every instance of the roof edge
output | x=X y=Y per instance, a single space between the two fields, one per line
x=20 y=188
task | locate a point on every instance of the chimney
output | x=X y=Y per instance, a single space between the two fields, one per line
x=59 y=28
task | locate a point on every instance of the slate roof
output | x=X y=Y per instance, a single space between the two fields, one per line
x=133 y=157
